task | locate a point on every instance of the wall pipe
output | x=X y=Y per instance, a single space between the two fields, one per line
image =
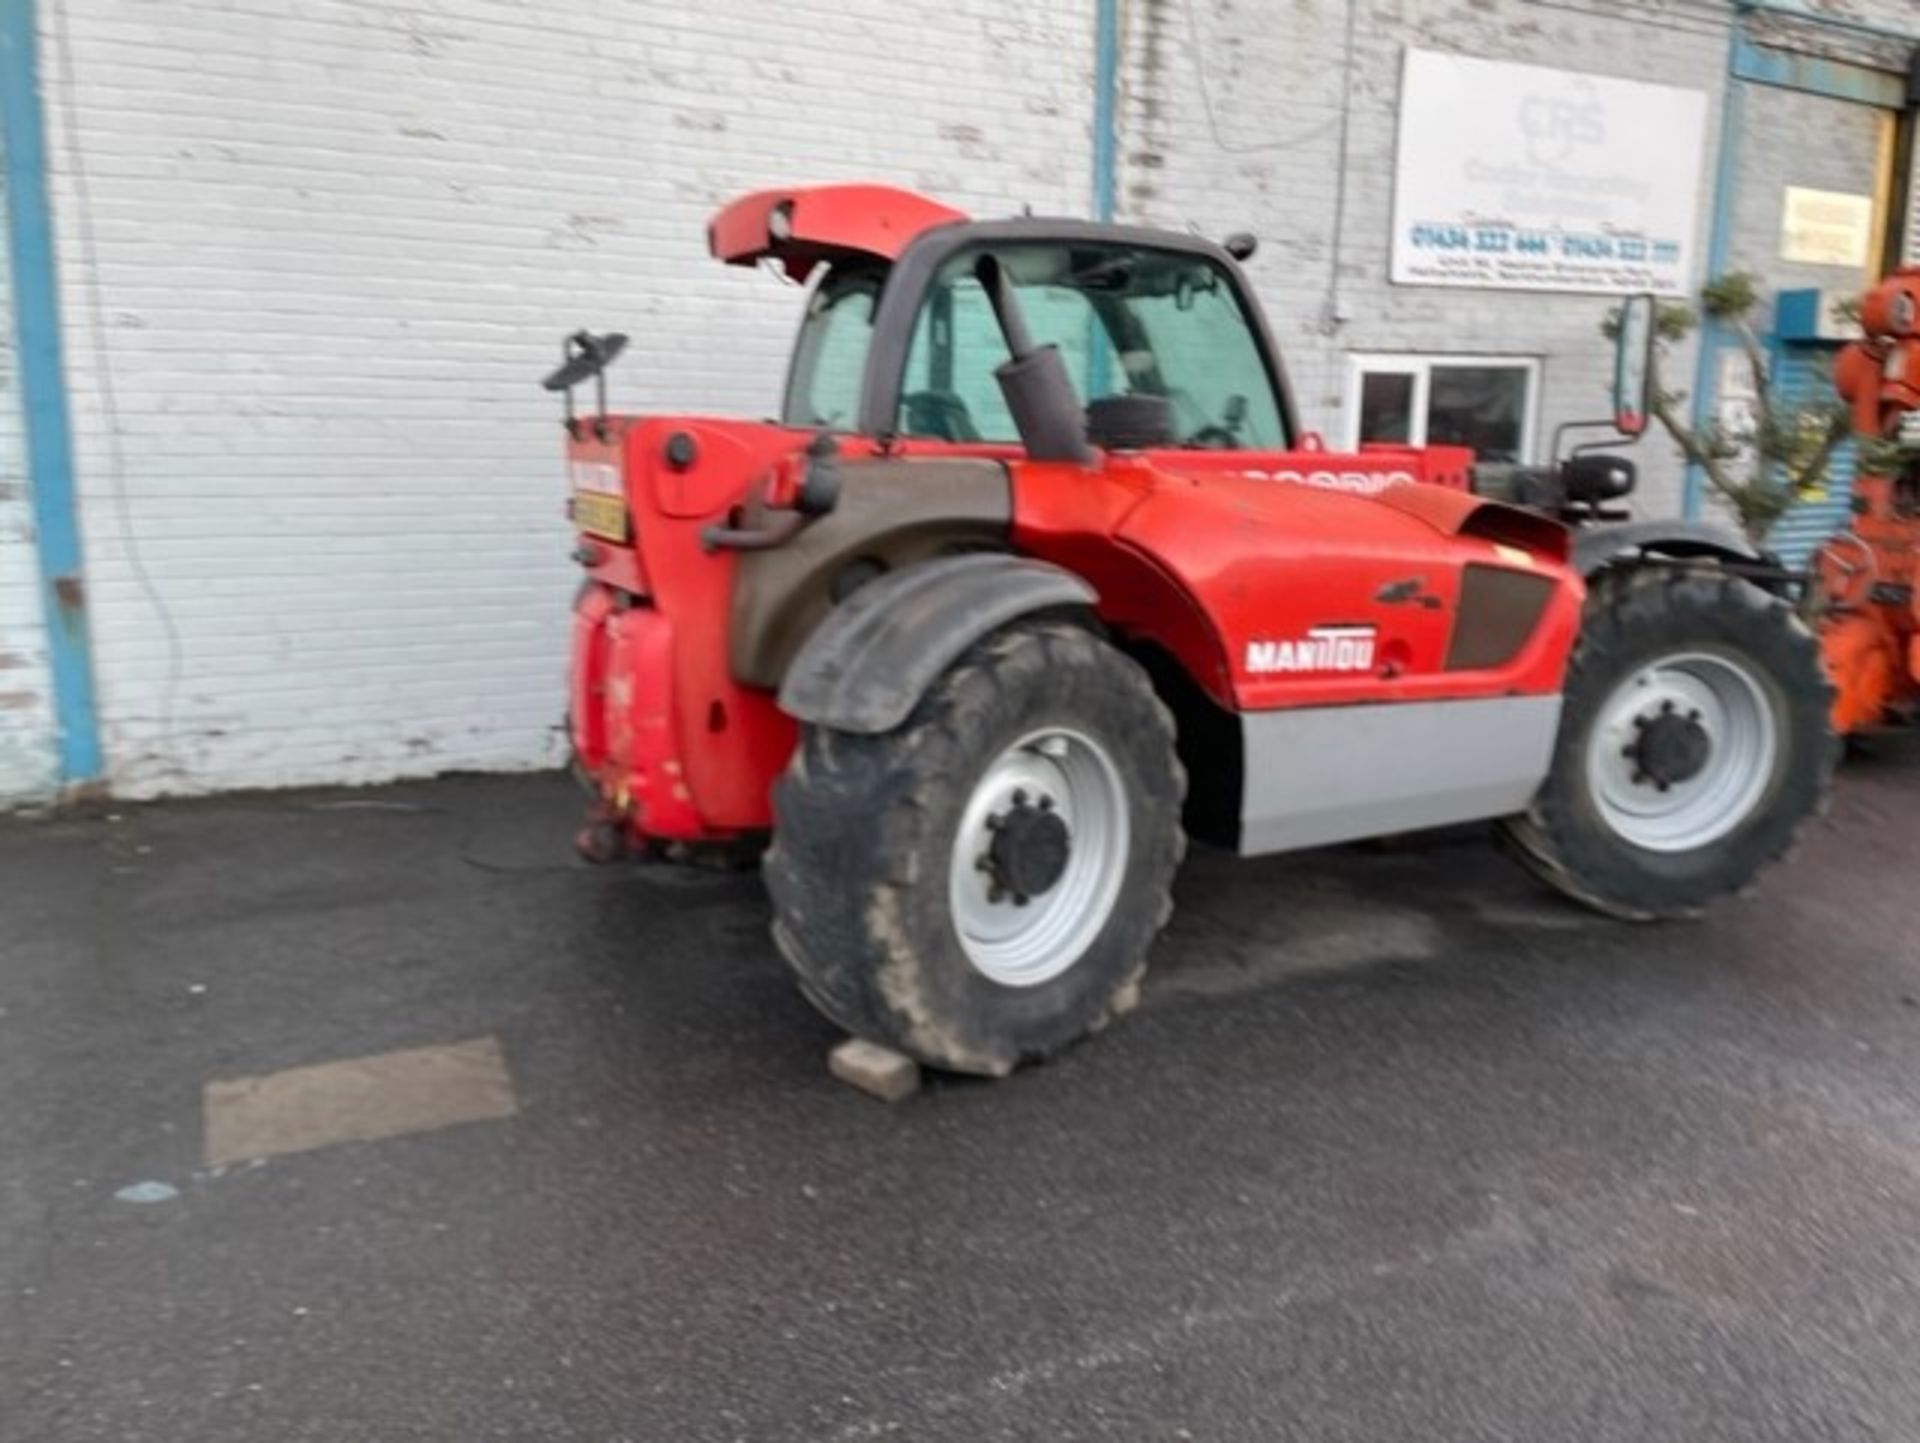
x=43 y=399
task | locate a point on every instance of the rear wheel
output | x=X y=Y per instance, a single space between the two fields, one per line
x=979 y=887
x=1693 y=744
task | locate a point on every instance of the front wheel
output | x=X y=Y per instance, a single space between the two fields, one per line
x=979 y=887
x=1693 y=743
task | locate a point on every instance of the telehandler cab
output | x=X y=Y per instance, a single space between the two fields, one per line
x=1037 y=575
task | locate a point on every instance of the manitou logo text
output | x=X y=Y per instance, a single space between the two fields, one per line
x=1324 y=648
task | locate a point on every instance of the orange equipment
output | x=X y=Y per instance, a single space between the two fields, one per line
x=1865 y=577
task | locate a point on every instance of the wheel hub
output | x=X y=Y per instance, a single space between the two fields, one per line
x=1039 y=856
x=1683 y=750
x=1029 y=852
x=1672 y=747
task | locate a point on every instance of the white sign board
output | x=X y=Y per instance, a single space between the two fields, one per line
x=1518 y=177
x=1825 y=227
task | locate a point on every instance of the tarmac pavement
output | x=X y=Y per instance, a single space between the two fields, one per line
x=374 y=1116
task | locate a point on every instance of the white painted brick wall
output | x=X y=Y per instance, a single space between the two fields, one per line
x=338 y=242
x=1273 y=70
x=1791 y=139
x=28 y=759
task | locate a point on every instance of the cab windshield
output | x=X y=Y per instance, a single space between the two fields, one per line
x=1129 y=320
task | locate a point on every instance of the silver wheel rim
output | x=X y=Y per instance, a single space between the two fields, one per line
x=1727 y=702
x=1072 y=776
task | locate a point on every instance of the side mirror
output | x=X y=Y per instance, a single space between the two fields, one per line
x=1594 y=478
x=1633 y=366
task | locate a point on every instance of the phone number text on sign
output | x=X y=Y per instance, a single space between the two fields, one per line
x=1450 y=254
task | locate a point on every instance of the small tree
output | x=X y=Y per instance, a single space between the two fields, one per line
x=1759 y=469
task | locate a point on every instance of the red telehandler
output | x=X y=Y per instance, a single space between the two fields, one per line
x=1038 y=575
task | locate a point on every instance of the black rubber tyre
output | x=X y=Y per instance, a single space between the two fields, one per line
x=1634 y=618
x=865 y=831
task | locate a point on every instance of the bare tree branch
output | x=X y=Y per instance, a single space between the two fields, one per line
x=1690 y=445
x=1759 y=472
x=1839 y=427
x=1757 y=364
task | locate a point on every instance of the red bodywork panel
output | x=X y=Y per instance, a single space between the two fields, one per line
x=1204 y=554
x=671 y=740
x=823 y=221
x=1209 y=561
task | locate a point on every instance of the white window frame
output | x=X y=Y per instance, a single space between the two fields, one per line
x=1419 y=365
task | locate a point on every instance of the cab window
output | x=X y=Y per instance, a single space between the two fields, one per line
x=830 y=357
x=1128 y=321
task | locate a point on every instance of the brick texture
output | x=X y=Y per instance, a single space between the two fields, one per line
x=1268 y=159
x=338 y=243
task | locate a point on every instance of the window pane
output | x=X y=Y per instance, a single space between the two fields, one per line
x=1386 y=406
x=831 y=355
x=1206 y=361
x=1127 y=321
x=1484 y=407
x=949 y=391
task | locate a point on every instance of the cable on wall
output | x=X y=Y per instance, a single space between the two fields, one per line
x=1330 y=317
x=1205 y=88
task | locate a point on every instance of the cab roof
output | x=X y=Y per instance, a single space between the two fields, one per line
x=800 y=226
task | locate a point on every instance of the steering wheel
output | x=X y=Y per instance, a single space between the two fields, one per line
x=1214 y=437
x=942 y=414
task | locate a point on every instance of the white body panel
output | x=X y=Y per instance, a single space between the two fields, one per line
x=1316 y=775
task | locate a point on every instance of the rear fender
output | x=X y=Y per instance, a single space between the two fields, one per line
x=893 y=513
x=869 y=663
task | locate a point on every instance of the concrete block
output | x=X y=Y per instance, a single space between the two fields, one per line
x=876 y=1070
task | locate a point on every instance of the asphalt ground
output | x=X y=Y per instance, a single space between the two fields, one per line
x=1399 y=1147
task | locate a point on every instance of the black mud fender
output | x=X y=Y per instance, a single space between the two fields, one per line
x=1596 y=547
x=866 y=666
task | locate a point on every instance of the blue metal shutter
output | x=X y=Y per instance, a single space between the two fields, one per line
x=1801 y=378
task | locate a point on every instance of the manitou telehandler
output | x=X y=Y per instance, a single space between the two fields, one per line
x=1037 y=575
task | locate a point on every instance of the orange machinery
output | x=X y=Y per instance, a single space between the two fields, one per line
x=1867 y=578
